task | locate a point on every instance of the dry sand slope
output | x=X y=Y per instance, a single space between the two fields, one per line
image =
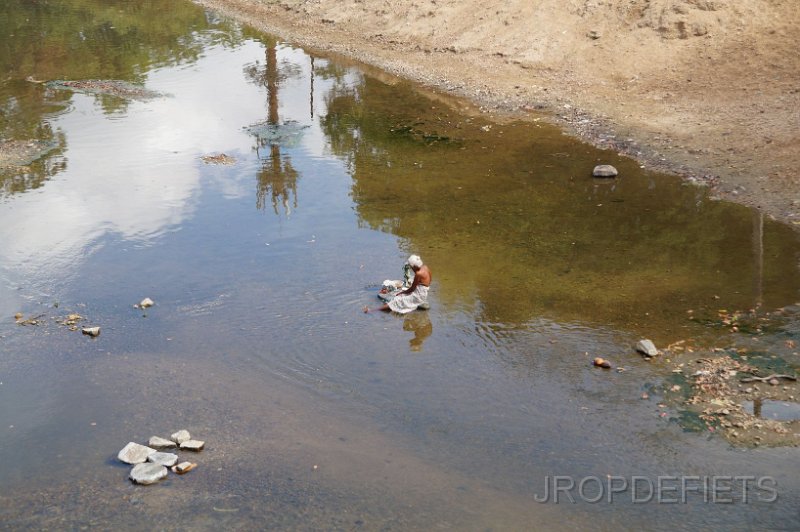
x=706 y=88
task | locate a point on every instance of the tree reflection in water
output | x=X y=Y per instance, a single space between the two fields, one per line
x=277 y=178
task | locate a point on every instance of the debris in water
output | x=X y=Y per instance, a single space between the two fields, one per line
x=218 y=159
x=106 y=87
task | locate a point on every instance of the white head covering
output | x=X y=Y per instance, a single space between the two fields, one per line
x=414 y=261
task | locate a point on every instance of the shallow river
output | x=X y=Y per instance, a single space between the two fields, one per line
x=317 y=416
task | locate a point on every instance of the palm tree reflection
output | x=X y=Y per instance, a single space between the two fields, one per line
x=277 y=178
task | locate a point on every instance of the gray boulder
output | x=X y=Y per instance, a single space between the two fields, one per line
x=181 y=436
x=148 y=473
x=164 y=459
x=193 y=445
x=647 y=348
x=134 y=453
x=156 y=442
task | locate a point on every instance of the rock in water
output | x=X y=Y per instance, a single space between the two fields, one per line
x=91 y=331
x=146 y=302
x=193 y=445
x=164 y=459
x=134 y=453
x=147 y=473
x=604 y=170
x=183 y=467
x=181 y=436
x=157 y=442
x=647 y=348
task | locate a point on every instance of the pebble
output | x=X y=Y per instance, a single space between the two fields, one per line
x=91 y=331
x=647 y=348
x=164 y=459
x=193 y=445
x=144 y=303
x=604 y=170
x=601 y=363
x=147 y=473
x=183 y=467
x=181 y=436
x=134 y=453
x=158 y=442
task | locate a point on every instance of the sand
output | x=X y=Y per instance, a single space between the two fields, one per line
x=707 y=89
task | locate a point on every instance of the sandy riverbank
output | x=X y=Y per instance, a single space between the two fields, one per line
x=703 y=88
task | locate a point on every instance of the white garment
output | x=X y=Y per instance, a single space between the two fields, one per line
x=406 y=303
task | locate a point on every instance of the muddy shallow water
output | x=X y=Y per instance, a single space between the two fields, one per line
x=315 y=415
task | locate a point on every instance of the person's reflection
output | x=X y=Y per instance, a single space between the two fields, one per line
x=418 y=322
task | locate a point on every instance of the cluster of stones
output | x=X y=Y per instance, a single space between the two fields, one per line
x=150 y=464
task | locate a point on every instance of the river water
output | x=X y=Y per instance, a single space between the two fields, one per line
x=317 y=416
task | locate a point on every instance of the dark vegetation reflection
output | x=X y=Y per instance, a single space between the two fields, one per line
x=509 y=217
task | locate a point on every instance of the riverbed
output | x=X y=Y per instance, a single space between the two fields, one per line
x=259 y=195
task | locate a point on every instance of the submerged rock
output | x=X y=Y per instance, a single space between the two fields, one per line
x=181 y=436
x=647 y=348
x=604 y=170
x=157 y=442
x=134 y=453
x=107 y=87
x=164 y=459
x=148 y=473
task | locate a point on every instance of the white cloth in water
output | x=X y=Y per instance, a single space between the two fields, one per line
x=406 y=303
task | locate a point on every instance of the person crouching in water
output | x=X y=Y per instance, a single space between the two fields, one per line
x=415 y=295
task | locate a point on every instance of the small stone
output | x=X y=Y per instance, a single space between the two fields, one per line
x=164 y=459
x=147 y=473
x=601 y=363
x=157 y=442
x=134 y=453
x=604 y=170
x=18 y=316
x=91 y=331
x=181 y=436
x=193 y=445
x=647 y=348
x=183 y=467
x=773 y=382
x=146 y=302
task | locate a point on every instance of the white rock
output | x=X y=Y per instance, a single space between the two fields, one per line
x=91 y=331
x=146 y=302
x=647 y=348
x=604 y=170
x=164 y=459
x=134 y=453
x=193 y=445
x=147 y=473
x=181 y=436
x=158 y=442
